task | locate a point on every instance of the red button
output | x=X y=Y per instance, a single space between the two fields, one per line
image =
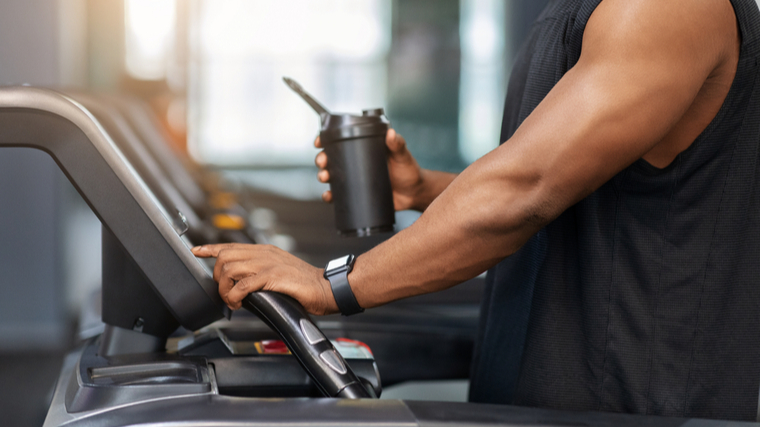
x=274 y=347
x=354 y=342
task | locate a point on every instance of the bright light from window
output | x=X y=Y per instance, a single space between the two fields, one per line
x=149 y=37
x=240 y=110
x=482 y=78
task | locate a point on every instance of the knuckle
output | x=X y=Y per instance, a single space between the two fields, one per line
x=268 y=273
x=224 y=269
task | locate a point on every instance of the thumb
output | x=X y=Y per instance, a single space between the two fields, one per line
x=395 y=142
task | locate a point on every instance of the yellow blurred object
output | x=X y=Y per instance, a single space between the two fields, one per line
x=222 y=200
x=228 y=222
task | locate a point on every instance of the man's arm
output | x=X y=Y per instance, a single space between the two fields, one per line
x=643 y=85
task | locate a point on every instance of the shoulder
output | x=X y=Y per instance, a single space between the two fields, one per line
x=703 y=31
x=692 y=16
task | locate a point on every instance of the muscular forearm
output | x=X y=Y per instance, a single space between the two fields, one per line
x=463 y=232
x=577 y=139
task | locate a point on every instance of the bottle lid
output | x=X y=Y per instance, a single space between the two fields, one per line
x=373 y=112
x=336 y=127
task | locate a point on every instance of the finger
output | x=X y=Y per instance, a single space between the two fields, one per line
x=244 y=287
x=321 y=160
x=395 y=142
x=235 y=254
x=233 y=272
x=327 y=196
x=201 y=251
x=211 y=251
x=323 y=176
x=224 y=290
x=318 y=142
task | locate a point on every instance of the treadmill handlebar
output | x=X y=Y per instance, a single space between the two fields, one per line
x=312 y=349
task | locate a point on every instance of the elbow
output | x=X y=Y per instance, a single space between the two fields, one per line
x=503 y=204
x=540 y=207
x=512 y=213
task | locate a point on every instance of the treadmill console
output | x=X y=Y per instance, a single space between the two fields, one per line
x=146 y=232
x=152 y=283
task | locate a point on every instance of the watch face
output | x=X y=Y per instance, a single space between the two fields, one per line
x=339 y=262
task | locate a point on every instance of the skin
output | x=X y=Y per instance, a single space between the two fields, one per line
x=651 y=76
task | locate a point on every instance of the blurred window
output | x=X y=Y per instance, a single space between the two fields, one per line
x=483 y=41
x=240 y=111
x=438 y=67
x=150 y=29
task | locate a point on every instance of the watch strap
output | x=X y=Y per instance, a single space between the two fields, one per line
x=341 y=289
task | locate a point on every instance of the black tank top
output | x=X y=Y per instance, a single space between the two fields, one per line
x=645 y=296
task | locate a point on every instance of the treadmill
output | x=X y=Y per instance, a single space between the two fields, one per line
x=410 y=341
x=134 y=374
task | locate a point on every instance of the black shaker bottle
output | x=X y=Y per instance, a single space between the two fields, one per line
x=358 y=165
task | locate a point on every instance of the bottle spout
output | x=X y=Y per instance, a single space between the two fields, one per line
x=319 y=108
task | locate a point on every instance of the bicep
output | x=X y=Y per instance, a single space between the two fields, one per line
x=638 y=74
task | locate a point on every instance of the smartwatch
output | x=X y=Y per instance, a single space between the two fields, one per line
x=336 y=272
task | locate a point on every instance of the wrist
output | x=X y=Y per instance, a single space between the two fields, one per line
x=422 y=191
x=432 y=184
x=365 y=283
x=418 y=193
x=328 y=299
x=336 y=273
